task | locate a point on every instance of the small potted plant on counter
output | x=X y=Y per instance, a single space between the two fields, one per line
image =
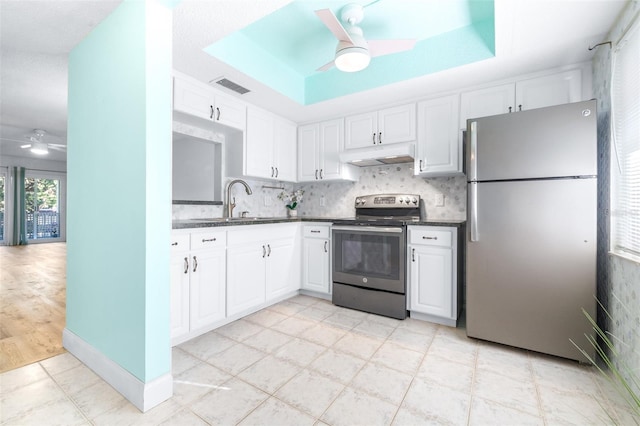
x=292 y=199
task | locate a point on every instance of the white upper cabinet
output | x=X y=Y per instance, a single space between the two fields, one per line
x=319 y=145
x=258 y=155
x=387 y=126
x=539 y=92
x=439 y=150
x=285 y=147
x=196 y=99
x=485 y=102
x=269 y=147
x=555 y=89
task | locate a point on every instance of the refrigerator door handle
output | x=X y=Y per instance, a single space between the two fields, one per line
x=473 y=151
x=473 y=211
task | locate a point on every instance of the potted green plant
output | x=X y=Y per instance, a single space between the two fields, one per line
x=292 y=199
x=624 y=379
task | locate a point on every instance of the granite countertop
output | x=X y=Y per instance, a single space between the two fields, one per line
x=215 y=222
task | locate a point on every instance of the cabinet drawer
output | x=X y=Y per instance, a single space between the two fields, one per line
x=179 y=242
x=316 y=232
x=206 y=240
x=431 y=237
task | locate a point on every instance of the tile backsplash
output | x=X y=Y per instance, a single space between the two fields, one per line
x=336 y=199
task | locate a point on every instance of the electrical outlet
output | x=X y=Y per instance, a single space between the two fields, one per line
x=267 y=201
x=322 y=203
x=439 y=200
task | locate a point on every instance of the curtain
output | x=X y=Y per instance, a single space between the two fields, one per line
x=19 y=235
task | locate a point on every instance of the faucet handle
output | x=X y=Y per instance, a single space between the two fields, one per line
x=244 y=214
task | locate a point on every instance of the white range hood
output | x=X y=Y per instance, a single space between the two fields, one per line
x=379 y=154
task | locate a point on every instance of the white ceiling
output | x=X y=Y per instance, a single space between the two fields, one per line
x=36 y=37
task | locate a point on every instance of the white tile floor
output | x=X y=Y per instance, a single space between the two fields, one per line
x=305 y=361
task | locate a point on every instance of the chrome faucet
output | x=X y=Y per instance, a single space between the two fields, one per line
x=232 y=204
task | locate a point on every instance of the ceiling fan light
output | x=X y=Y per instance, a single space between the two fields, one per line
x=39 y=148
x=352 y=59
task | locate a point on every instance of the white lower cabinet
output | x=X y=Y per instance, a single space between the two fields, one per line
x=434 y=276
x=197 y=281
x=262 y=265
x=316 y=246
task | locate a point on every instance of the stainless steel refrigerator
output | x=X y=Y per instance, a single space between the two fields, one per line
x=531 y=221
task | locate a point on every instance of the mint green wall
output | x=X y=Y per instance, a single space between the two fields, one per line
x=119 y=188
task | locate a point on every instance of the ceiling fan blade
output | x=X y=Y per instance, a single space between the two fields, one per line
x=57 y=147
x=327 y=66
x=386 y=47
x=25 y=146
x=334 y=25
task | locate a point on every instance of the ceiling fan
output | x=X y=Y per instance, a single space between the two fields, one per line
x=353 y=52
x=37 y=144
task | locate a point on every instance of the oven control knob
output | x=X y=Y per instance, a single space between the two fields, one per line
x=407 y=200
x=357 y=201
x=414 y=200
x=363 y=201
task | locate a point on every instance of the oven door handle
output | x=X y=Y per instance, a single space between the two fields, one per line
x=374 y=229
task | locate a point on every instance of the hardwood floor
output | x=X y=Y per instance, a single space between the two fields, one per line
x=32 y=303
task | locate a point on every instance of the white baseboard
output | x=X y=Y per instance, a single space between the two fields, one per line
x=143 y=395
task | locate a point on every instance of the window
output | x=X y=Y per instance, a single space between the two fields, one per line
x=44 y=206
x=625 y=167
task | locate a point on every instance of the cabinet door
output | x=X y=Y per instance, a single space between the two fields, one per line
x=315 y=265
x=550 y=90
x=331 y=144
x=283 y=268
x=245 y=277
x=192 y=98
x=484 y=102
x=308 y=140
x=259 y=144
x=431 y=280
x=361 y=130
x=439 y=151
x=179 y=294
x=285 y=151
x=207 y=293
x=230 y=112
x=397 y=124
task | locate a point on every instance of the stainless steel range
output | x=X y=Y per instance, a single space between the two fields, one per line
x=369 y=254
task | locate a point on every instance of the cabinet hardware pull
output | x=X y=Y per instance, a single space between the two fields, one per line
x=269 y=252
x=321 y=176
x=211 y=116
x=373 y=138
x=510 y=108
x=218 y=116
x=272 y=171
x=325 y=247
x=277 y=172
x=195 y=263
x=186 y=265
x=429 y=238
x=380 y=137
x=208 y=240
x=264 y=252
x=316 y=174
x=174 y=244
x=420 y=165
x=413 y=255
x=315 y=231
x=520 y=107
